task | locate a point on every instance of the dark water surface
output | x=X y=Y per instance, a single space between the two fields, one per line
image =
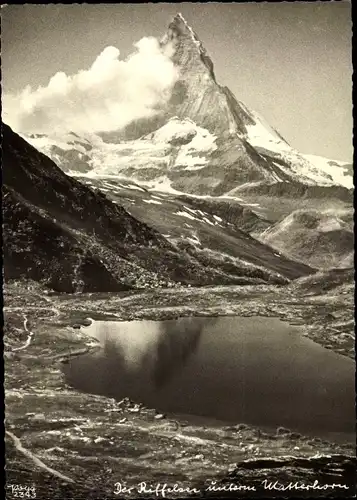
x=255 y=370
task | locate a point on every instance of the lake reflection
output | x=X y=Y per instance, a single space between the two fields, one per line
x=260 y=371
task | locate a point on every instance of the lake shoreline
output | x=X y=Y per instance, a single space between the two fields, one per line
x=63 y=427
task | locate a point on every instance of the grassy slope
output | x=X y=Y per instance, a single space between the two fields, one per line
x=215 y=243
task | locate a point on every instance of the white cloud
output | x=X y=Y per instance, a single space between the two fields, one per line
x=107 y=96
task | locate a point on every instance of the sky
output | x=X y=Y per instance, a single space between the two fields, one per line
x=290 y=62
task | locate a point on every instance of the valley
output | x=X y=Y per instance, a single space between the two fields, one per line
x=178 y=299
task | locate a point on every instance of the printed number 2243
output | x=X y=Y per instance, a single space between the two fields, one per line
x=19 y=491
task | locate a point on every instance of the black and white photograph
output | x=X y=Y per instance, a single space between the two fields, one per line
x=178 y=250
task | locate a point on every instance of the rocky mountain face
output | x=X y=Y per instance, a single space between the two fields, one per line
x=197 y=95
x=207 y=149
x=59 y=232
x=62 y=233
x=204 y=142
x=65 y=150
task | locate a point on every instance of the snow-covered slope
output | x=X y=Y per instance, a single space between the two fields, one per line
x=205 y=142
x=308 y=169
x=178 y=144
x=338 y=170
x=68 y=151
x=171 y=155
x=194 y=143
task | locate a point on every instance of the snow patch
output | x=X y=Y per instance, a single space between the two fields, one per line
x=190 y=209
x=110 y=185
x=154 y=202
x=328 y=225
x=336 y=169
x=250 y=204
x=174 y=129
x=185 y=214
x=199 y=141
x=163 y=184
x=194 y=161
x=310 y=169
x=262 y=135
x=134 y=187
x=194 y=239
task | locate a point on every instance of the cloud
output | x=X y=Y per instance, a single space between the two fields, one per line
x=105 y=97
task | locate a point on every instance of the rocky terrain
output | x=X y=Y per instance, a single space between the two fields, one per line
x=80 y=445
x=320 y=240
x=201 y=211
x=211 y=230
x=60 y=232
x=206 y=146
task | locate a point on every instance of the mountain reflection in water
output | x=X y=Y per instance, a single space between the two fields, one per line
x=135 y=353
x=259 y=371
x=157 y=349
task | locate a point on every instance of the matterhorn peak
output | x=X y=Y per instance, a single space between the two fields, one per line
x=189 y=51
x=181 y=27
x=180 y=17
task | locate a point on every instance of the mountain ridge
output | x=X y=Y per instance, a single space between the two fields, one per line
x=245 y=148
x=73 y=238
x=205 y=143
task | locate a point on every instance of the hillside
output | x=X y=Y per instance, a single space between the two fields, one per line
x=194 y=226
x=60 y=232
x=322 y=240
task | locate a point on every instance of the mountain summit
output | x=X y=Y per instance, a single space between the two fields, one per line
x=197 y=95
x=187 y=45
